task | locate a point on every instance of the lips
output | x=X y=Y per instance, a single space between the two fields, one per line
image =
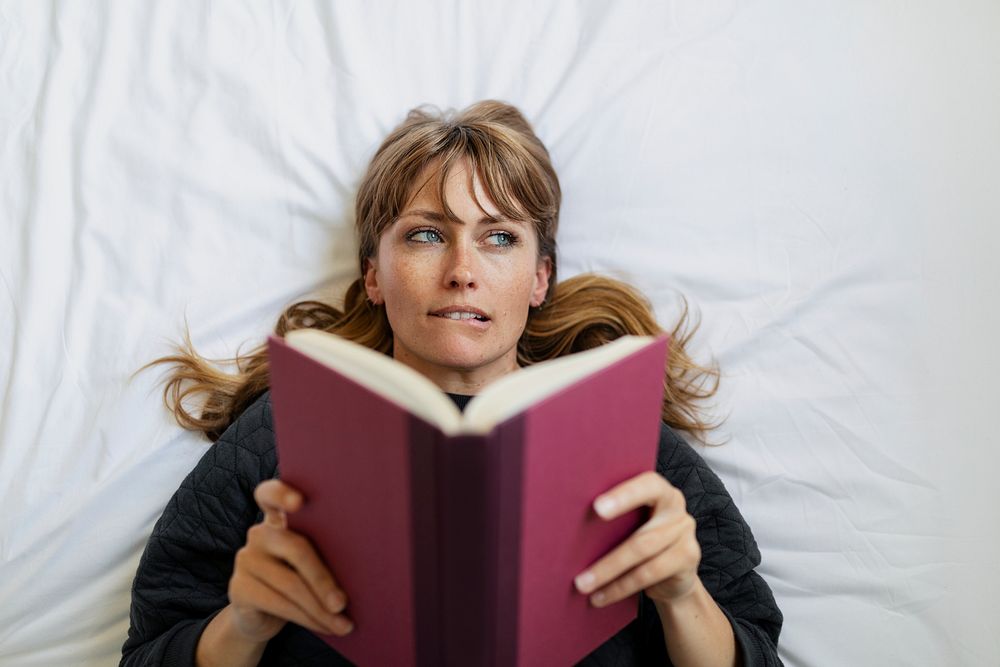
x=462 y=313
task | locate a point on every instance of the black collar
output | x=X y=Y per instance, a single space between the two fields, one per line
x=461 y=400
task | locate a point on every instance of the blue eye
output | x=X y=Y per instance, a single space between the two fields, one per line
x=429 y=236
x=504 y=239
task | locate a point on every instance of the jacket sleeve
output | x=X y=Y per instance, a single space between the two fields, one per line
x=729 y=556
x=183 y=575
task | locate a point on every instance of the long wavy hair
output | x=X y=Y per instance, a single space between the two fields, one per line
x=516 y=172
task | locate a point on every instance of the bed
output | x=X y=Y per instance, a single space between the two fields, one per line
x=817 y=180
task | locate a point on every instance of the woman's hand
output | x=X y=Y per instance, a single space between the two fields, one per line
x=279 y=577
x=661 y=557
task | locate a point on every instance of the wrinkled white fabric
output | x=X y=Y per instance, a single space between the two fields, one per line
x=818 y=182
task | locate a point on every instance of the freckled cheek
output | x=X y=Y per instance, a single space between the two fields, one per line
x=513 y=275
x=405 y=292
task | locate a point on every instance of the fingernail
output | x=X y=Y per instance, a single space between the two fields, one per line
x=605 y=506
x=290 y=498
x=335 y=602
x=345 y=626
x=584 y=581
x=597 y=598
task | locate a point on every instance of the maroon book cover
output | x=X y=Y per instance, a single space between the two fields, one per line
x=463 y=549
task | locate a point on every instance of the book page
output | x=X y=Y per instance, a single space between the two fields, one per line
x=517 y=391
x=501 y=400
x=381 y=374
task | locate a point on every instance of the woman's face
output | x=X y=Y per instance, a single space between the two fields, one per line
x=433 y=273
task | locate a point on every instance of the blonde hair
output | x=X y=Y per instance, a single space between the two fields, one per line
x=517 y=174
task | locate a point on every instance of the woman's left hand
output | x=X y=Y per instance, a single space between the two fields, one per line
x=661 y=557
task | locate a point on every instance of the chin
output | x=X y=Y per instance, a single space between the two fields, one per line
x=466 y=360
x=461 y=355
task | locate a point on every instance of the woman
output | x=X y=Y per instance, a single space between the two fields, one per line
x=457 y=219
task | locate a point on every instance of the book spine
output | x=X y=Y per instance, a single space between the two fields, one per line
x=466 y=495
x=466 y=529
x=506 y=461
x=428 y=610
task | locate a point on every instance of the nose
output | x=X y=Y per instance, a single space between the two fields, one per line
x=460 y=271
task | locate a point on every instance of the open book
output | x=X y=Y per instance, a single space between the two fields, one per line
x=456 y=536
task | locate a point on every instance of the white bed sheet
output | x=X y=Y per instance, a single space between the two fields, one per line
x=819 y=180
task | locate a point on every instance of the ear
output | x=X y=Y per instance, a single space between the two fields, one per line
x=371 y=281
x=542 y=273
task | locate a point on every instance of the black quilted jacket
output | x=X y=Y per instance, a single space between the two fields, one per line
x=184 y=572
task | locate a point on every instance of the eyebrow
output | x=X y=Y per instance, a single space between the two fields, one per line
x=434 y=216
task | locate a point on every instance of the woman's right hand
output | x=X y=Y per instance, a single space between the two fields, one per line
x=279 y=577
